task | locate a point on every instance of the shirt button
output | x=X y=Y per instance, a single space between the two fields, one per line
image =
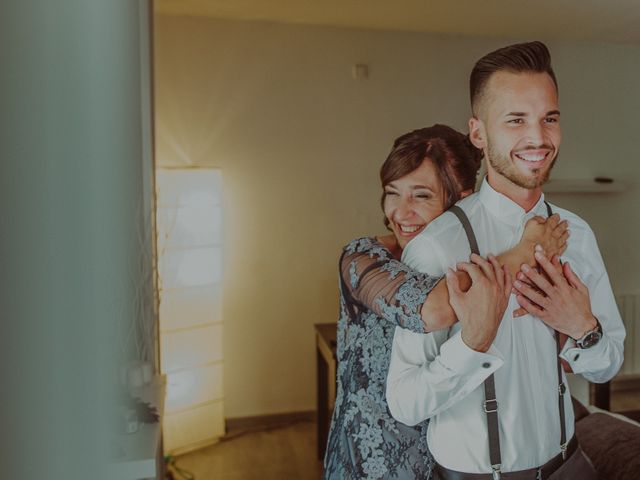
x=486 y=365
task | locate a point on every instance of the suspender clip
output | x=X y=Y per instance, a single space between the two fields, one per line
x=491 y=406
x=562 y=388
x=496 y=471
x=539 y=473
x=563 y=447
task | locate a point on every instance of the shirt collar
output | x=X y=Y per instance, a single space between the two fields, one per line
x=504 y=208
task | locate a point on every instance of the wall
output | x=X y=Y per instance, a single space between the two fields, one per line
x=300 y=143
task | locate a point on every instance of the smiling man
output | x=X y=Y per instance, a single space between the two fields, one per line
x=496 y=395
x=520 y=135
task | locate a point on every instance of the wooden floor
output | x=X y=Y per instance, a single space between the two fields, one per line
x=289 y=452
x=277 y=454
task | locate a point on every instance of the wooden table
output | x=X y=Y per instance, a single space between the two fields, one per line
x=326 y=379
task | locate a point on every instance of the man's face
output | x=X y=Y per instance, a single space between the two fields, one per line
x=518 y=126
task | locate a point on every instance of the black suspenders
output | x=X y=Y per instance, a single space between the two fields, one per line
x=490 y=402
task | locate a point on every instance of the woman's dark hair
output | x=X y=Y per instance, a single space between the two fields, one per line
x=455 y=158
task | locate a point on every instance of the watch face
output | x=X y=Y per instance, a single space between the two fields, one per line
x=590 y=339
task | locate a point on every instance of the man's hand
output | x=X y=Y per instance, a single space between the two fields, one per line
x=560 y=299
x=480 y=309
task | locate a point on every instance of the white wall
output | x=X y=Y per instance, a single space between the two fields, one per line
x=300 y=143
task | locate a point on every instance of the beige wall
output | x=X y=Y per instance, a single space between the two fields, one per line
x=300 y=142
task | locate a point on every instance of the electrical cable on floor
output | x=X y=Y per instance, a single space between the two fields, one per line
x=175 y=472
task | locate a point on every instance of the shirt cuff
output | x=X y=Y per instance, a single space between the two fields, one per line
x=458 y=357
x=587 y=360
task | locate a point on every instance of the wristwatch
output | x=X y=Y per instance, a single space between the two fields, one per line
x=591 y=338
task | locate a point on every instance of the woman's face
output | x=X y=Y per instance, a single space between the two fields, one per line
x=412 y=201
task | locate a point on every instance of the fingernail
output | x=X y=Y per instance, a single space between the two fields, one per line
x=520 y=276
x=538 y=255
x=525 y=267
x=517 y=284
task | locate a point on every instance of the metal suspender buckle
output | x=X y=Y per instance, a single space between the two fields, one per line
x=539 y=473
x=562 y=388
x=496 y=471
x=491 y=408
x=563 y=447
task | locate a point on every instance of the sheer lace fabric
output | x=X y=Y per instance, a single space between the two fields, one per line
x=377 y=294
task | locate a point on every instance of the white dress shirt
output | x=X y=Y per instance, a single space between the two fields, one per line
x=437 y=376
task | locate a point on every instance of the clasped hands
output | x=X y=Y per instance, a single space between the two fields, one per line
x=548 y=289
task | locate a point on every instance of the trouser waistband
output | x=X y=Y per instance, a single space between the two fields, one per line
x=542 y=472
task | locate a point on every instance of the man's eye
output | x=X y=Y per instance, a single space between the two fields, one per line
x=516 y=121
x=552 y=119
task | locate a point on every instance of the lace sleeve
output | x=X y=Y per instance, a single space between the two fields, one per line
x=374 y=280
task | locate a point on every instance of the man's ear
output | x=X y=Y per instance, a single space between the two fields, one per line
x=477 y=133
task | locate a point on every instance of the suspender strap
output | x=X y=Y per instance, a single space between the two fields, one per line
x=561 y=386
x=561 y=391
x=490 y=402
x=464 y=220
x=491 y=410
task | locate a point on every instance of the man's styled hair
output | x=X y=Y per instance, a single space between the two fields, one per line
x=518 y=58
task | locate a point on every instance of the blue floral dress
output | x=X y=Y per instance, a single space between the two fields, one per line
x=377 y=294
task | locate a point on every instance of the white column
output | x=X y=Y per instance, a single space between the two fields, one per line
x=71 y=147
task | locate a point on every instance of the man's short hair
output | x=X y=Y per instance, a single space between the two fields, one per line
x=518 y=58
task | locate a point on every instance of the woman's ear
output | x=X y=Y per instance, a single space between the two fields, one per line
x=466 y=193
x=477 y=134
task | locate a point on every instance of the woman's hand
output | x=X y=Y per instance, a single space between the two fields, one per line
x=551 y=233
x=436 y=311
x=481 y=308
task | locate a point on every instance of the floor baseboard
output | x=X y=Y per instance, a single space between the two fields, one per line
x=268 y=421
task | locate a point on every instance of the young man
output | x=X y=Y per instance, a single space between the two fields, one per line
x=516 y=121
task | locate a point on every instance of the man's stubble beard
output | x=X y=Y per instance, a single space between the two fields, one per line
x=503 y=165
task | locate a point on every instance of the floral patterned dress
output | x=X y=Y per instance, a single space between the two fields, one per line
x=377 y=294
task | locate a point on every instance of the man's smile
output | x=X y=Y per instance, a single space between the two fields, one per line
x=533 y=157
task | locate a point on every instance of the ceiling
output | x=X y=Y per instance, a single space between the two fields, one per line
x=615 y=21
